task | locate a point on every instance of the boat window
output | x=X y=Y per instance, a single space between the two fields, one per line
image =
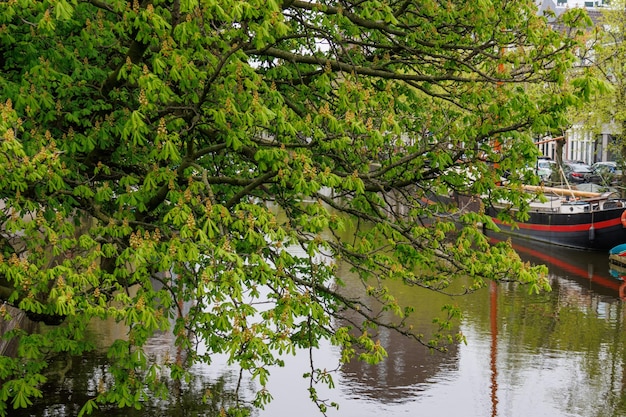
x=612 y=204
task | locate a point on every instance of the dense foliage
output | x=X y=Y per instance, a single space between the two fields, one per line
x=604 y=57
x=201 y=166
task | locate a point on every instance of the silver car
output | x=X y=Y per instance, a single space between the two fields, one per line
x=545 y=168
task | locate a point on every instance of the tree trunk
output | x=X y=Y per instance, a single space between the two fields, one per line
x=18 y=319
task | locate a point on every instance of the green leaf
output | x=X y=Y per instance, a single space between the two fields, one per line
x=63 y=10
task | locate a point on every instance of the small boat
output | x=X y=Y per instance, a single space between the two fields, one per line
x=569 y=218
x=617 y=267
x=618 y=251
x=617 y=257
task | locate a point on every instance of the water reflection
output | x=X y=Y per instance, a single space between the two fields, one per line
x=564 y=351
x=556 y=354
x=410 y=366
x=493 y=351
x=589 y=270
x=409 y=369
x=65 y=397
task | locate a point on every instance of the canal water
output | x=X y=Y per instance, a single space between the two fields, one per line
x=556 y=354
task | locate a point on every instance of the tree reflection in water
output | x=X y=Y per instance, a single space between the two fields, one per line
x=72 y=381
x=410 y=367
x=64 y=398
x=557 y=354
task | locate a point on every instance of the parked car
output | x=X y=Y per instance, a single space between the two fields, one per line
x=604 y=173
x=545 y=168
x=575 y=172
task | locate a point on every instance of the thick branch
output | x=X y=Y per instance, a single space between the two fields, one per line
x=342 y=66
x=245 y=191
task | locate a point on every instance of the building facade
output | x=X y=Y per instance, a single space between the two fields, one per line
x=580 y=143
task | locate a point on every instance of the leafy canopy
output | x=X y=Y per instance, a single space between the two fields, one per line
x=161 y=161
x=604 y=55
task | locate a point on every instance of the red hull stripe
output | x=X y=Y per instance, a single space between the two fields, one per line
x=563 y=228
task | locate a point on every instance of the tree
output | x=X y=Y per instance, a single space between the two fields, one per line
x=160 y=158
x=606 y=60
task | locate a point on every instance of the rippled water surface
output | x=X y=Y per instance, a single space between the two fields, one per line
x=556 y=354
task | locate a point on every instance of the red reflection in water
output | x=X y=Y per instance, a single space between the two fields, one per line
x=567 y=265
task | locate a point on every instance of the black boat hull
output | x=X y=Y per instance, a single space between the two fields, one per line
x=596 y=230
